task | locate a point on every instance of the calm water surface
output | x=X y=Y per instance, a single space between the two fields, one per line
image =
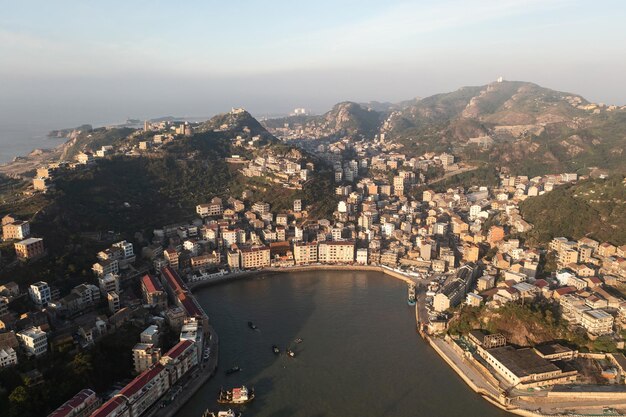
x=360 y=355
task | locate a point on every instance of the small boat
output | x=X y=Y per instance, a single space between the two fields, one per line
x=291 y=353
x=227 y=413
x=276 y=349
x=233 y=370
x=411 y=296
x=252 y=325
x=298 y=340
x=239 y=395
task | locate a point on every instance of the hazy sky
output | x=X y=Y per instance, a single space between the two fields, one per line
x=84 y=61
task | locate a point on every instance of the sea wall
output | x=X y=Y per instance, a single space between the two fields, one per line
x=302 y=268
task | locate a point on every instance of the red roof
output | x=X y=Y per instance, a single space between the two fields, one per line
x=190 y=306
x=565 y=290
x=173 y=279
x=151 y=284
x=109 y=407
x=141 y=381
x=541 y=283
x=179 y=348
x=73 y=403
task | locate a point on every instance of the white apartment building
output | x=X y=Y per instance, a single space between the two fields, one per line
x=335 y=252
x=34 y=341
x=40 y=293
x=8 y=357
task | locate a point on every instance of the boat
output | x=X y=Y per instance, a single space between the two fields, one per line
x=298 y=340
x=239 y=395
x=291 y=353
x=411 y=297
x=233 y=370
x=252 y=325
x=227 y=413
x=275 y=349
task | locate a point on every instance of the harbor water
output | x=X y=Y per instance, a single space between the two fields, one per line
x=360 y=354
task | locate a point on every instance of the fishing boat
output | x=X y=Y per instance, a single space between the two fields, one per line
x=227 y=413
x=411 y=296
x=252 y=325
x=291 y=353
x=276 y=349
x=298 y=340
x=233 y=370
x=237 y=396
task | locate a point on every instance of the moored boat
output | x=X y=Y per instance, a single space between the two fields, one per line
x=252 y=325
x=227 y=413
x=239 y=395
x=298 y=340
x=291 y=353
x=233 y=370
x=411 y=296
x=275 y=349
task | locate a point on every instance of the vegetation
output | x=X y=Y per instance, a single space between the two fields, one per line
x=66 y=373
x=594 y=208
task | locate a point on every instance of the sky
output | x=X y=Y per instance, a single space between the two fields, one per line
x=72 y=62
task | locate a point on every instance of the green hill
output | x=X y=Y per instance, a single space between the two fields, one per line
x=594 y=208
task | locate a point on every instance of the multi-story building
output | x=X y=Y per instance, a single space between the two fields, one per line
x=109 y=266
x=255 y=257
x=261 y=207
x=144 y=356
x=8 y=357
x=17 y=230
x=172 y=257
x=305 y=253
x=597 y=322
x=336 y=252
x=39 y=293
x=362 y=256
x=33 y=340
x=297 y=206
x=113 y=299
x=30 y=248
x=109 y=283
x=80 y=405
x=153 y=293
x=214 y=208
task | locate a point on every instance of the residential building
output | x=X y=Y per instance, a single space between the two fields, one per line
x=8 y=357
x=80 y=405
x=153 y=293
x=17 y=230
x=305 y=253
x=34 y=341
x=214 y=208
x=40 y=294
x=30 y=248
x=144 y=356
x=255 y=257
x=336 y=252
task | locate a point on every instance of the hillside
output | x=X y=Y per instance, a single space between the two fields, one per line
x=237 y=122
x=518 y=125
x=91 y=140
x=594 y=208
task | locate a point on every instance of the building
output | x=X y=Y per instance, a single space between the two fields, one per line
x=172 y=257
x=255 y=257
x=144 y=356
x=34 y=341
x=362 y=256
x=40 y=294
x=113 y=300
x=305 y=253
x=261 y=207
x=214 y=208
x=109 y=283
x=597 y=322
x=336 y=252
x=30 y=248
x=153 y=293
x=297 y=206
x=17 y=230
x=106 y=267
x=205 y=261
x=524 y=368
x=150 y=335
x=8 y=357
x=80 y=405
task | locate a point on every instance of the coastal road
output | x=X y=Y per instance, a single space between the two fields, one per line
x=467 y=369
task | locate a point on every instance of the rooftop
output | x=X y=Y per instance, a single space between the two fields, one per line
x=522 y=362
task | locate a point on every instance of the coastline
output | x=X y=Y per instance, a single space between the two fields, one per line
x=487 y=391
